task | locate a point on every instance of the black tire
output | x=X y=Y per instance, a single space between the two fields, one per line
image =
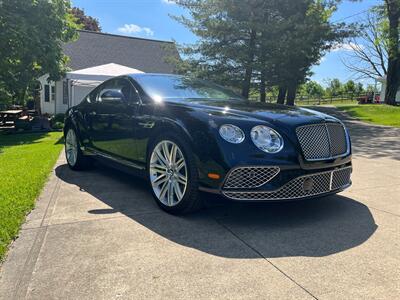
x=190 y=201
x=82 y=162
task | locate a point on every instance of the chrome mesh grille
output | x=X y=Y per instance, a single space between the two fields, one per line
x=322 y=141
x=340 y=178
x=322 y=183
x=250 y=177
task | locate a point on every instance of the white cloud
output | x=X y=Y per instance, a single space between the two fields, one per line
x=168 y=1
x=347 y=47
x=133 y=28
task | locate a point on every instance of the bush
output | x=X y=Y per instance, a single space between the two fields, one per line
x=57 y=121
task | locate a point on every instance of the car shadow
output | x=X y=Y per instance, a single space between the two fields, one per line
x=313 y=228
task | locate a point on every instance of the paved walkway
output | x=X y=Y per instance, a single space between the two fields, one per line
x=99 y=235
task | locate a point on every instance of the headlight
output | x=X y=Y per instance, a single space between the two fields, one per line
x=266 y=139
x=231 y=133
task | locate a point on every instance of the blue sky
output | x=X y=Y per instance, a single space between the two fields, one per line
x=150 y=19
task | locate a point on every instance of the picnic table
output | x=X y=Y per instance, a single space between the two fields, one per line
x=10 y=116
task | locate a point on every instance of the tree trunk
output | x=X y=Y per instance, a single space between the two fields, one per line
x=262 y=87
x=291 y=94
x=249 y=66
x=281 y=95
x=393 y=72
x=246 y=82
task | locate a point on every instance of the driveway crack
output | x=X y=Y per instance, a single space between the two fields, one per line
x=263 y=257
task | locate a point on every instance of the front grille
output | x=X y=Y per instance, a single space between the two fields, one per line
x=303 y=186
x=250 y=177
x=323 y=141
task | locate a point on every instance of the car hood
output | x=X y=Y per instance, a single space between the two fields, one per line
x=272 y=113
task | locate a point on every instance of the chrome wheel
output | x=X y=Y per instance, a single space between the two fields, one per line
x=71 y=147
x=168 y=173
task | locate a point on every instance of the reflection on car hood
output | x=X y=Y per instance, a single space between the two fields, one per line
x=273 y=113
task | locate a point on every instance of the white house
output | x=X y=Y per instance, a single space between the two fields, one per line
x=382 y=80
x=96 y=57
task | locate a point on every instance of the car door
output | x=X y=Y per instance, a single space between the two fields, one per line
x=113 y=123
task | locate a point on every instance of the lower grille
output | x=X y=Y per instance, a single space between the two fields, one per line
x=250 y=177
x=303 y=186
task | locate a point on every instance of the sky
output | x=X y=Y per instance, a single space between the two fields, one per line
x=151 y=19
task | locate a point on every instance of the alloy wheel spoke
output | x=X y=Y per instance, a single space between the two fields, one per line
x=180 y=164
x=166 y=153
x=170 y=193
x=161 y=157
x=160 y=179
x=178 y=191
x=181 y=179
x=158 y=168
x=163 y=190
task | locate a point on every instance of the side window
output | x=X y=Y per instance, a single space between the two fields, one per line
x=46 y=93
x=127 y=89
x=92 y=97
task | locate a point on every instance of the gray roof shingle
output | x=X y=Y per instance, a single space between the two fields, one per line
x=94 y=48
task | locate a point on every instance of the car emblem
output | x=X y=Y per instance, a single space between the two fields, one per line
x=308 y=184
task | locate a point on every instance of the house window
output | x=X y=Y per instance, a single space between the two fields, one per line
x=53 y=93
x=46 y=93
x=65 y=92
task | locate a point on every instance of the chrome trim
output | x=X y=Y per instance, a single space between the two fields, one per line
x=227 y=177
x=329 y=140
x=256 y=195
x=118 y=160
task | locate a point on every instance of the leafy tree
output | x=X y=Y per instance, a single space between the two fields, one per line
x=335 y=87
x=313 y=89
x=349 y=87
x=85 y=22
x=31 y=36
x=259 y=42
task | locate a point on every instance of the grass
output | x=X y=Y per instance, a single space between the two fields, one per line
x=374 y=113
x=25 y=163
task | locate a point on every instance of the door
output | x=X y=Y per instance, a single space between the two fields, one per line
x=113 y=120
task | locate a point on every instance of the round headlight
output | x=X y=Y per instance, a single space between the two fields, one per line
x=231 y=133
x=266 y=139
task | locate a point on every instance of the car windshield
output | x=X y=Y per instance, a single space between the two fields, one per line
x=184 y=89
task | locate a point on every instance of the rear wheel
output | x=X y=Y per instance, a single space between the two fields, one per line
x=75 y=158
x=173 y=175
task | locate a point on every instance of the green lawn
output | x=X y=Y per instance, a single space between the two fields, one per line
x=25 y=163
x=374 y=113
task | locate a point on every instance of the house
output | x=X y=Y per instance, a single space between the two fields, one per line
x=382 y=80
x=95 y=57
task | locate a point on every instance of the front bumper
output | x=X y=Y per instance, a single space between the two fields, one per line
x=264 y=183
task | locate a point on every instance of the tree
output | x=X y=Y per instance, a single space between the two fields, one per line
x=350 y=87
x=393 y=70
x=313 y=89
x=368 y=53
x=31 y=36
x=85 y=22
x=259 y=43
x=335 y=87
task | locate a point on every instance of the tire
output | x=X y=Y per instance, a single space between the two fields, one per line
x=75 y=158
x=166 y=178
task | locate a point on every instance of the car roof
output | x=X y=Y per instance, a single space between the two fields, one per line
x=141 y=75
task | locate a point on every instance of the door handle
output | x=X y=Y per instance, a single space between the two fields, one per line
x=92 y=113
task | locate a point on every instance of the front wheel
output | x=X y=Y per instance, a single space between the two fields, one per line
x=75 y=158
x=173 y=175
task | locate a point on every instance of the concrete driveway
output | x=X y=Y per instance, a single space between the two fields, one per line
x=99 y=235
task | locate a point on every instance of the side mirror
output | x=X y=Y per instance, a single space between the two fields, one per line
x=112 y=95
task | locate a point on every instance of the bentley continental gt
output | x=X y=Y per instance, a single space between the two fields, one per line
x=186 y=135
